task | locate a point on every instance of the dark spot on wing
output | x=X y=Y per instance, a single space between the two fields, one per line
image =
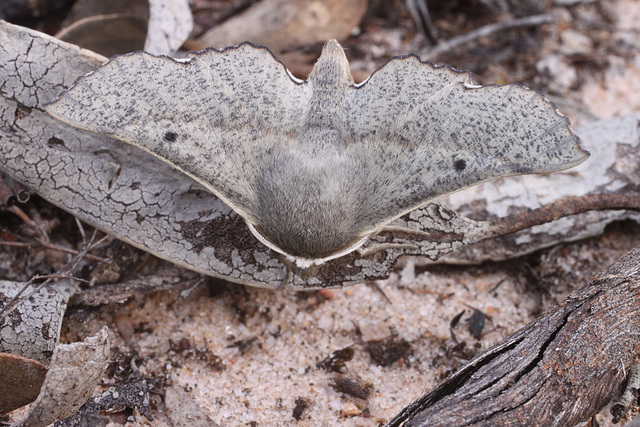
x=459 y=165
x=170 y=136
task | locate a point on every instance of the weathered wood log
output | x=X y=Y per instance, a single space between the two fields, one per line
x=559 y=370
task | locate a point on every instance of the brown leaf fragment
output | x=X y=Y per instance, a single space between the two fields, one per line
x=476 y=323
x=387 y=351
x=107 y=35
x=110 y=28
x=351 y=387
x=284 y=25
x=20 y=381
x=82 y=9
x=301 y=406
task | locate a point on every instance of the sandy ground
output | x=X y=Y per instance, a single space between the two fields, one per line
x=250 y=356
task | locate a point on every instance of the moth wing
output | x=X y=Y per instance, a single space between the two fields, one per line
x=394 y=90
x=213 y=116
x=453 y=137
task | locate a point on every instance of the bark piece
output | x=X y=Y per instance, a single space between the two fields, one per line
x=170 y=23
x=134 y=395
x=557 y=371
x=164 y=278
x=74 y=372
x=32 y=328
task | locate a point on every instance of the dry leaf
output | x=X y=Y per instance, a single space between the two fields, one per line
x=284 y=25
x=110 y=28
x=20 y=381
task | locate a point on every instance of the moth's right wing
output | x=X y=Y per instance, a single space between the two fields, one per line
x=426 y=131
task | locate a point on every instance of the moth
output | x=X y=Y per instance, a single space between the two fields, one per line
x=316 y=167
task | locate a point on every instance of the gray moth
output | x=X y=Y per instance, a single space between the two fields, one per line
x=316 y=167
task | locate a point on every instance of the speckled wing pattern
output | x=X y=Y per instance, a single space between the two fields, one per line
x=432 y=129
x=316 y=167
x=213 y=115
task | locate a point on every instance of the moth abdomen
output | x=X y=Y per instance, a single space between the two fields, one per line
x=306 y=207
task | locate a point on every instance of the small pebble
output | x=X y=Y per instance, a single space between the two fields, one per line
x=350 y=410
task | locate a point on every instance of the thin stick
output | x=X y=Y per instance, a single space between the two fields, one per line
x=52 y=247
x=529 y=21
x=81 y=228
x=23 y=216
x=16 y=300
x=571 y=3
x=31 y=223
x=65 y=272
x=562 y=208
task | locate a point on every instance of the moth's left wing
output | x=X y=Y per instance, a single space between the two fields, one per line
x=214 y=115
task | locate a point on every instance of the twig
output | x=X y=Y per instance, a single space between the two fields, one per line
x=562 y=208
x=377 y=287
x=420 y=14
x=23 y=216
x=83 y=235
x=52 y=247
x=44 y=242
x=485 y=31
x=64 y=272
x=571 y=3
x=31 y=223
